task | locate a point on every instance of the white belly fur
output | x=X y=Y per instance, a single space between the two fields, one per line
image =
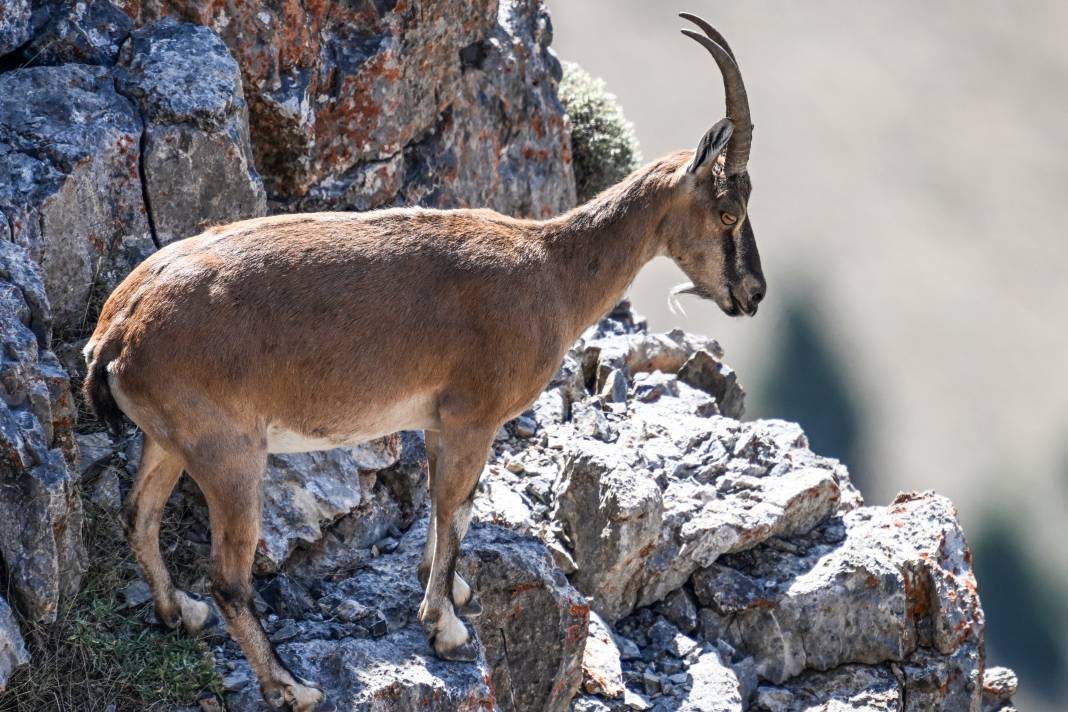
x=415 y=413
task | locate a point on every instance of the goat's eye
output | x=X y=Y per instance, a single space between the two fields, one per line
x=728 y=218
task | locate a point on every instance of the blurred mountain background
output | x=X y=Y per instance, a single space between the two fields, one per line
x=910 y=201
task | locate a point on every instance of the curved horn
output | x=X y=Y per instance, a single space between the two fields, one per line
x=734 y=89
x=712 y=32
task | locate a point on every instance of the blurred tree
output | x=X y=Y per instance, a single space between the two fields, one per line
x=1025 y=611
x=604 y=148
x=808 y=382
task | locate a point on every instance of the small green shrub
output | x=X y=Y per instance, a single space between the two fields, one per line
x=604 y=148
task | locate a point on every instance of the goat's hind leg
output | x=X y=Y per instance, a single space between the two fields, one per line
x=156 y=476
x=232 y=486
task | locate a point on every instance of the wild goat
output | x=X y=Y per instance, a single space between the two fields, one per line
x=310 y=332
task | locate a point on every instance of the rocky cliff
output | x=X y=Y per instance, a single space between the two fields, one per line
x=637 y=545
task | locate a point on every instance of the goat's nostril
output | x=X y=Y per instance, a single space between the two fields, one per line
x=756 y=295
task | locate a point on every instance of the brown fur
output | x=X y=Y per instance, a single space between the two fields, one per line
x=320 y=324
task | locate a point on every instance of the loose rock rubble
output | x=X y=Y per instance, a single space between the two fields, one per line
x=634 y=493
x=359 y=637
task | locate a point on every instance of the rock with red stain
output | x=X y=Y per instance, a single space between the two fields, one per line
x=601 y=671
x=533 y=624
x=40 y=508
x=356 y=106
x=878 y=584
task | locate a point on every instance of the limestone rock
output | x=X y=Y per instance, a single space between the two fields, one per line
x=376 y=660
x=40 y=508
x=675 y=491
x=715 y=686
x=873 y=586
x=12 y=647
x=851 y=687
x=533 y=625
x=188 y=89
x=15 y=27
x=999 y=685
x=601 y=671
x=85 y=32
x=69 y=182
x=650 y=484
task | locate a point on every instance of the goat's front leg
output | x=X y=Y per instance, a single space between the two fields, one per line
x=463 y=596
x=460 y=458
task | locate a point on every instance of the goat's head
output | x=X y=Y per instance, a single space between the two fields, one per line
x=714 y=243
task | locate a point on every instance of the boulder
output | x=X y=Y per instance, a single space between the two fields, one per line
x=40 y=507
x=368 y=105
x=533 y=624
x=188 y=90
x=850 y=687
x=876 y=585
x=367 y=649
x=15 y=26
x=601 y=671
x=675 y=491
x=70 y=185
x=715 y=686
x=634 y=491
x=357 y=498
x=85 y=32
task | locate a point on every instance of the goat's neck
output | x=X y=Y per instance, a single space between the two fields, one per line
x=596 y=250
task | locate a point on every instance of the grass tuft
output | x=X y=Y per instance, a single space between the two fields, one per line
x=100 y=656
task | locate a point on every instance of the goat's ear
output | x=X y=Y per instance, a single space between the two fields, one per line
x=712 y=144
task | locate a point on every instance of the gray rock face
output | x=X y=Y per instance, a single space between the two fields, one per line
x=14 y=24
x=82 y=32
x=715 y=686
x=366 y=648
x=69 y=183
x=40 y=508
x=12 y=648
x=367 y=105
x=873 y=586
x=365 y=645
x=197 y=161
x=78 y=157
x=327 y=510
x=534 y=624
x=851 y=687
x=635 y=494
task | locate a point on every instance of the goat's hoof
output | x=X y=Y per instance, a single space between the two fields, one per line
x=471 y=609
x=197 y=615
x=466 y=652
x=302 y=698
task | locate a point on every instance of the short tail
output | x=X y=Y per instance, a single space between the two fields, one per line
x=98 y=392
